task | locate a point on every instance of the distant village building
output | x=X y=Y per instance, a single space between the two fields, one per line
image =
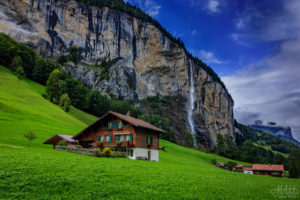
x=268 y=170
x=139 y=139
x=261 y=169
x=247 y=170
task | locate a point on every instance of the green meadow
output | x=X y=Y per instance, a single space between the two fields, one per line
x=39 y=172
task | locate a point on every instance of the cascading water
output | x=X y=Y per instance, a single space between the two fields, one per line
x=191 y=103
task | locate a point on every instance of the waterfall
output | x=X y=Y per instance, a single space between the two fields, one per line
x=191 y=103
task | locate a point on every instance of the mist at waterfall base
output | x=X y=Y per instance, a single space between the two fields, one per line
x=191 y=104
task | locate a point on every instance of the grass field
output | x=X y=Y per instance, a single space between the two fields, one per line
x=39 y=172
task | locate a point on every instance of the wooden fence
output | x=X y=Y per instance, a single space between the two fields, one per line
x=90 y=152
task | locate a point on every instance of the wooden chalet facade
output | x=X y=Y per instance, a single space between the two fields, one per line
x=139 y=139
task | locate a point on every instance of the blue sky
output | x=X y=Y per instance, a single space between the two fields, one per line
x=254 y=46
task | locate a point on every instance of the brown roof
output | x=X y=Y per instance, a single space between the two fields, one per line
x=129 y=119
x=262 y=167
x=68 y=138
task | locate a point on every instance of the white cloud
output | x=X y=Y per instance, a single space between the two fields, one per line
x=209 y=57
x=269 y=89
x=211 y=6
x=148 y=6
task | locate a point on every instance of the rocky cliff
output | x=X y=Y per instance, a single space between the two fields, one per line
x=147 y=62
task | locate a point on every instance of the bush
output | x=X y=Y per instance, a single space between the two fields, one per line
x=61 y=143
x=29 y=135
x=65 y=102
x=78 y=146
x=229 y=165
x=107 y=152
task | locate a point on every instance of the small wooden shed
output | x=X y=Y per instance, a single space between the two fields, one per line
x=61 y=138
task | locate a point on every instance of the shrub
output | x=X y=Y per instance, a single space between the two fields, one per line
x=107 y=151
x=78 y=146
x=29 y=135
x=65 y=102
x=61 y=143
x=229 y=165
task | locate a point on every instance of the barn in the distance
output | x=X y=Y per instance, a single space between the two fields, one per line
x=139 y=139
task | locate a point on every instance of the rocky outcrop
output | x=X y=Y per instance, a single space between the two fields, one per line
x=147 y=62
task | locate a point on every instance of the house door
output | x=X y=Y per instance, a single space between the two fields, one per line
x=149 y=155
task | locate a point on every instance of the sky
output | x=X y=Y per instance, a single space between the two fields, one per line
x=253 y=45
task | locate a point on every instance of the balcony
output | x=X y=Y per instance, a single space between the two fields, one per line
x=114 y=144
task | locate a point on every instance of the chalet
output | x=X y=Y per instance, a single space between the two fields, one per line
x=61 y=138
x=139 y=139
x=268 y=170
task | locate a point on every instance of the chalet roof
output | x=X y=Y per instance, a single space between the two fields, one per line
x=129 y=119
x=263 y=167
x=68 y=138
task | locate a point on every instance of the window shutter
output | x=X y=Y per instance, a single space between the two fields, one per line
x=106 y=125
x=117 y=138
x=98 y=138
x=130 y=137
x=131 y=153
x=110 y=138
x=123 y=125
x=147 y=139
x=151 y=140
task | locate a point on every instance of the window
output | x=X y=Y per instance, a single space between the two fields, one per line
x=102 y=138
x=149 y=140
x=127 y=138
x=107 y=139
x=122 y=138
x=120 y=124
x=109 y=125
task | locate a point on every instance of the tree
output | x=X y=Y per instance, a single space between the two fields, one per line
x=20 y=73
x=16 y=62
x=294 y=164
x=119 y=106
x=29 y=135
x=42 y=70
x=52 y=87
x=97 y=104
x=188 y=139
x=65 y=102
x=74 y=54
x=220 y=147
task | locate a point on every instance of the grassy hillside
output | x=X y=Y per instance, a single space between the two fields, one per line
x=39 y=172
x=22 y=107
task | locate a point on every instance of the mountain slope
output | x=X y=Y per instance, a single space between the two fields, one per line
x=39 y=172
x=146 y=60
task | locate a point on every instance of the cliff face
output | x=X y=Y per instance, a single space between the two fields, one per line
x=147 y=62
